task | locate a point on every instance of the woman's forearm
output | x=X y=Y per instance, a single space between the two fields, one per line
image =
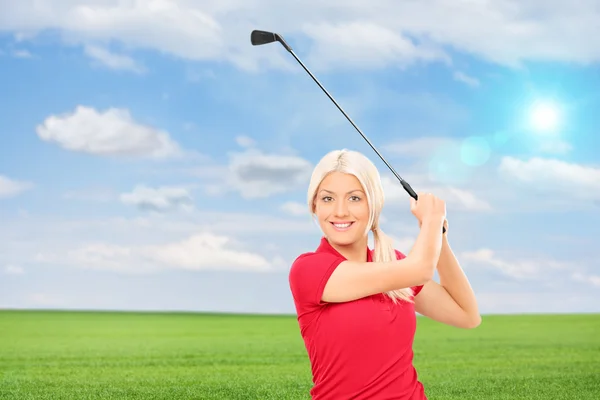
x=427 y=247
x=454 y=280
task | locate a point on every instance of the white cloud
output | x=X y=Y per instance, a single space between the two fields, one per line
x=437 y=166
x=159 y=199
x=22 y=54
x=254 y=174
x=593 y=280
x=403 y=244
x=112 y=60
x=468 y=80
x=553 y=176
x=554 y=146
x=201 y=251
x=190 y=30
x=204 y=251
x=295 y=208
x=112 y=132
x=366 y=34
x=455 y=198
x=199 y=75
x=463 y=198
x=11 y=188
x=487 y=257
x=520 y=269
x=500 y=183
x=13 y=270
x=139 y=244
x=504 y=31
x=364 y=44
x=245 y=141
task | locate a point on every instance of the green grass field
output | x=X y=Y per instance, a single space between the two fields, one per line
x=87 y=355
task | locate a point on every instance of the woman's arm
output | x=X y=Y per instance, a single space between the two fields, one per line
x=452 y=301
x=353 y=280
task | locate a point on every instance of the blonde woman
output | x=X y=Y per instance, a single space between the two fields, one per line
x=355 y=305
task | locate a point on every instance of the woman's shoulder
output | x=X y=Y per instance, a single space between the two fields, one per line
x=313 y=257
x=308 y=276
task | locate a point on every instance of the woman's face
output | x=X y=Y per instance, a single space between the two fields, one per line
x=342 y=208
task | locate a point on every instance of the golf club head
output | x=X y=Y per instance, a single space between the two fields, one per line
x=262 y=37
x=258 y=38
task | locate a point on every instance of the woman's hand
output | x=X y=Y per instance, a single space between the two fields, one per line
x=428 y=206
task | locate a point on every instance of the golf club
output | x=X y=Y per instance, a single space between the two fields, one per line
x=258 y=38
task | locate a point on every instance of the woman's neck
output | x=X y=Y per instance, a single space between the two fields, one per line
x=356 y=251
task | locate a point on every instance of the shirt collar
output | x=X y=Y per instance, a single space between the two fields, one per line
x=325 y=247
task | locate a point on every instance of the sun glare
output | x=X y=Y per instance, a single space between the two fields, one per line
x=544 y=117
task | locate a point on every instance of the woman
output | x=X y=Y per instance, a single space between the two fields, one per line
x=356 y=306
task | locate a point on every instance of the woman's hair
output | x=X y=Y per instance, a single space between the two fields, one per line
x=355 y=163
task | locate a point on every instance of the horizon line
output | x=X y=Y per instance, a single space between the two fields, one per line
x=256 y=314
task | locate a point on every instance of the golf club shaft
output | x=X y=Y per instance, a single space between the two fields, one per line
x=405 y=184
x=270 y=36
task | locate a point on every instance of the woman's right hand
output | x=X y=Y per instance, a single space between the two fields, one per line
x=428 y=207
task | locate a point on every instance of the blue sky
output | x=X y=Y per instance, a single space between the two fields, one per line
x=152 y=159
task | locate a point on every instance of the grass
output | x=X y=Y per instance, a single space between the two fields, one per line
x=109 y=355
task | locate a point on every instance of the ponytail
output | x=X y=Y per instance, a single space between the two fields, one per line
x=384 y=252
x=356 y=164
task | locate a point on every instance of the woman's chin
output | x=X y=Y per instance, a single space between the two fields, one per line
x=342 y=238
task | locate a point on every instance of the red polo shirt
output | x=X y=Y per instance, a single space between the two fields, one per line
x=360 y=349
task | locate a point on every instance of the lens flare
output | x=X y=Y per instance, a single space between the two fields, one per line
x=475 y=151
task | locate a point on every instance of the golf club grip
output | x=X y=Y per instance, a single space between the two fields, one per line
x=414 y=195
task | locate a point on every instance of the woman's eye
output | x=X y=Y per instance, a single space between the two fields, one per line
x=329 y=198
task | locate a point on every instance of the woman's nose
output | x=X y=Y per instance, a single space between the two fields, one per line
x=341 y=209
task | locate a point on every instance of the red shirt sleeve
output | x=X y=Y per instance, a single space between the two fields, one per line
x=416 y=289
x=308 y=276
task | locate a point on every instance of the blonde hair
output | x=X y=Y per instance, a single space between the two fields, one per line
x=355 y=163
